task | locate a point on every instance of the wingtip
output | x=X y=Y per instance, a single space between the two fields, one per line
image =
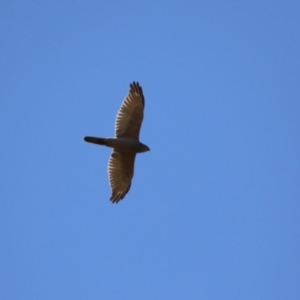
x=118 y=196
x=135 y=84
x=136 y=89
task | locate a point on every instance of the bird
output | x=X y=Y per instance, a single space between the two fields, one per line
x=125 y=145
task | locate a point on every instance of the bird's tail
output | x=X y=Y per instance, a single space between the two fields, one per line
x=95 y=140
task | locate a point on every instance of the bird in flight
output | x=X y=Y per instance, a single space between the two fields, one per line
x=126 y=142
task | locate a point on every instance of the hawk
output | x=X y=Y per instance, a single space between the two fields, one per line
x=126 y=142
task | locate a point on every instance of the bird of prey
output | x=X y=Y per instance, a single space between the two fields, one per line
x=126 y=142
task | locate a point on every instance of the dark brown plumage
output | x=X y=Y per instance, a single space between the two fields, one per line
x=126 y=143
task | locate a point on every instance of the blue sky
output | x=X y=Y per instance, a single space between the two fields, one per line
x=213 y=211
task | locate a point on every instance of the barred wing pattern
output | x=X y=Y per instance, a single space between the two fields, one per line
x=120 y=172
x=131 y=113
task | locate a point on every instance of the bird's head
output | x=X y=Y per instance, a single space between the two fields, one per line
x=143 y=148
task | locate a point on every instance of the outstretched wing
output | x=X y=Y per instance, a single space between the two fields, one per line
x=130 y=115
x=120 y=173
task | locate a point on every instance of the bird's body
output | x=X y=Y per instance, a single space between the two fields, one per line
x=125 y=144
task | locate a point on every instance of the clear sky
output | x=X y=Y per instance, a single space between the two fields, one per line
x=214 y=207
